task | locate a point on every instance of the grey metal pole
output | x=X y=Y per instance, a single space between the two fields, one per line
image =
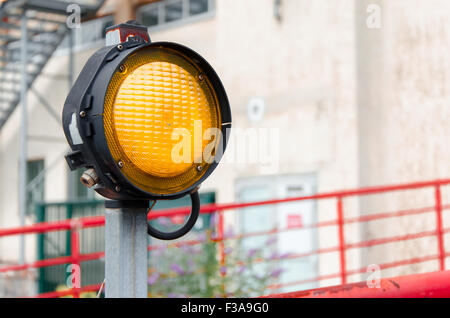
x=126 y=252
x=71 y=69
x=23 y=134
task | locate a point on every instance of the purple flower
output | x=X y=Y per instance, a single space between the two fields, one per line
x=202 y=237
x=229 y=233
x=285 y=255
x=160 y=249
x=273 y=256
x=212 y=220
x=196 y=250
x=251 y=252
x=228 y=250
x=241 y=269
x=153 y=278
x=223 y=270
x=186 y=248
x=272 y=240
x=177 y=268
x=164 y=221
x=276 y=272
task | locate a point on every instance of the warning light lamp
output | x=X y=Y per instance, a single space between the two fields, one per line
x=148 y=121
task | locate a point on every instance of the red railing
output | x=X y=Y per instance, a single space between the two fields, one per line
x=75 y=225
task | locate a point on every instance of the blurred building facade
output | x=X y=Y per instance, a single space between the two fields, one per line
x=340 y=99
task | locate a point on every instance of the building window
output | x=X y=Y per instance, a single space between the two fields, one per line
x=173 y=11
x=149 y=17
x=168 y=13
x=35 y=193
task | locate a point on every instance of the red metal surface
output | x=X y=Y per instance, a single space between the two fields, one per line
x=436 y=285
x=340 y=221
x=439 y=227
x=343 y=272
x=75 y=250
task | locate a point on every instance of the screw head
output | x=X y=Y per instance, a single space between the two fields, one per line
x=199 y=168
x=118 y=188
x=200 y=77
x=120 y=47
x=120 y=163
x=122 y=68
x=82 y=113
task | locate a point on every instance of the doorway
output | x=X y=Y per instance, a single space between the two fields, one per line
x=289 y=219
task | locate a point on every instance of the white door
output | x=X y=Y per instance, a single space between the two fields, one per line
x=288 y=218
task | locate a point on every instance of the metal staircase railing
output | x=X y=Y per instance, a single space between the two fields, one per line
x=46 y=28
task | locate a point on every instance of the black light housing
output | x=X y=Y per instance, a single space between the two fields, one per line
x=95 y=118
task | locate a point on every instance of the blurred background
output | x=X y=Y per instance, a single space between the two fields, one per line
x=325 y=96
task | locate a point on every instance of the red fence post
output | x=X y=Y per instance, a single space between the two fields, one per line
x=439 y=229
x=340 y=219
x=75 y=255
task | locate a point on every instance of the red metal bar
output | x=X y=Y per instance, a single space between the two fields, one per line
x=97 y=255
x=75 y=253
x=385 y=215
x=99 y=221
x=391 y=239
x=436 y=284
x=209 y=208
x=85 y=222
x=37 y=264
x=51 y=262
x=340 y=219
x=69 y=292
x=439 y=229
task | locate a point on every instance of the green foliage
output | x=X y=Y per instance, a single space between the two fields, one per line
x=196 y=270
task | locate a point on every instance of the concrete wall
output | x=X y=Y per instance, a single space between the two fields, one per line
x=403 y=94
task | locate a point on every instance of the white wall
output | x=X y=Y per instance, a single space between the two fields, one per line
x=403 y=102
